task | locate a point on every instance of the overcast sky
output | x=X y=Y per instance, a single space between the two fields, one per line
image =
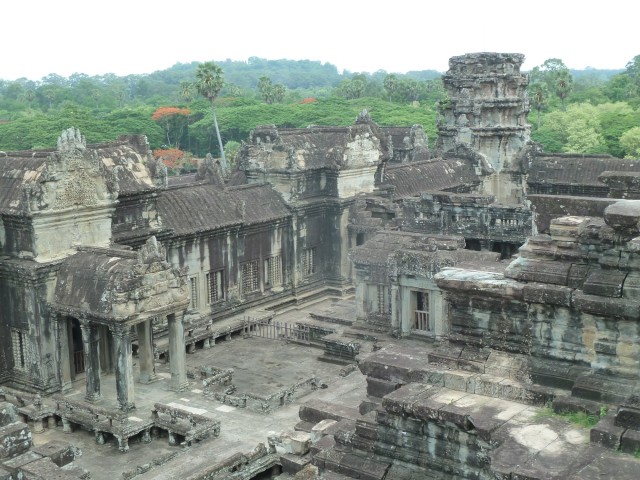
x=39 y=37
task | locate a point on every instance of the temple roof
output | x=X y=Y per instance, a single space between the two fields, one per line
x=112 y=285
x=122 y=164
x=84 y=278
x=576 y=169
x=339 y=148
x=202 y=207
x=418 y=253
x=414 y=178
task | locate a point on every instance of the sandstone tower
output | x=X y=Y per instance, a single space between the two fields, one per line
x=486 y=110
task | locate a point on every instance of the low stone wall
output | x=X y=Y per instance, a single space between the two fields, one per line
x=265 y=403
x=101 y=421
x=190 y=426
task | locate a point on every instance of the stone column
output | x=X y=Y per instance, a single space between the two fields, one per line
x=406 y=309
x=177 y=353
x=124 y=366
x=64 y=354
x=396 y=319
x=145 y=352
x=91 y=346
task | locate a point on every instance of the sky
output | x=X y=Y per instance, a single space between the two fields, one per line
x=39 y=37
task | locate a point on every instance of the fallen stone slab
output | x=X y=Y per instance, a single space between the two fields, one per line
x=317 y=410
x=61 y=453
x=15 y=438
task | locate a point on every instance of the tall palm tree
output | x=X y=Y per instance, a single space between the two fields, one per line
x=186 y=90
x=209 y=82
x=563 y=86
x=538 y=94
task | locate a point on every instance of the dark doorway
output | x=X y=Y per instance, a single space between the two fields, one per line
x=77 y=349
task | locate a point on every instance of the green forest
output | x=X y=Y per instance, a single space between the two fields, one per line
x=581 y=111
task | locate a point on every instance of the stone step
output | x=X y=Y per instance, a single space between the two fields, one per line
x=351 y=465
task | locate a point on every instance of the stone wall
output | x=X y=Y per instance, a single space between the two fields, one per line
x=570 y=298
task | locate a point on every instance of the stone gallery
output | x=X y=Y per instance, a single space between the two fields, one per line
x=346 y=303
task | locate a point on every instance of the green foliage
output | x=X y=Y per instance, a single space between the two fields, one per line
x=231 y=148
x=587 y=128
x=582 y=419
x=630 y=142
x=106 y=106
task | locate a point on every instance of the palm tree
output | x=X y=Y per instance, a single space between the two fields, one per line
x=29 y=96
x=209 y=82
x=390 y=83
x=186 y=90
x=538 y=94
x=563 y=85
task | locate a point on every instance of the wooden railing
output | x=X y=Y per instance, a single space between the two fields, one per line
x=421 y=320
x=78 y=361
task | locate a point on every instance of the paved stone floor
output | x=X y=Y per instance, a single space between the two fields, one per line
x=260 y=366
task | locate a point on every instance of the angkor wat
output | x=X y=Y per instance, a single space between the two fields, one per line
x=347 y=303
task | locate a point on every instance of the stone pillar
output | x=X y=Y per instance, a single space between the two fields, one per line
x=396 y=322
x=145 y=352
x=406 y=310
x=124 y=366
x=64 y=353
x=361 y=287
x=177 y=353
x=91 y=346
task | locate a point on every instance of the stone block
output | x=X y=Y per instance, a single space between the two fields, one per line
x=606 y=433
x=5 y=475
x=379 y=388
x=292 y=464
x=606 y=306
x=624 y=214
x=321 y=428
x=460 y=381
x=317 y=410
x=547 y=294
x=14 y=465
x=373 y=470
x=15 y=438
x=297 y=443
x=324 y=443
x=459 y=416
x=402 y=400
x=366 y=429
x=607 y=283
x=302 y=426
x=8 y=413
x=61 y=453
x=351 y=465
x=367 y=406
x=45 y=469
x=630 y=442
x=628 y=414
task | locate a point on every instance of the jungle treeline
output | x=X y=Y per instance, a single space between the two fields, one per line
x=585 y=111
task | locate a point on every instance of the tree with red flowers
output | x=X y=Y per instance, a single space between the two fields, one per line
x=173 y=120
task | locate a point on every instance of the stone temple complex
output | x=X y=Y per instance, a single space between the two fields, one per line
x=347 y=303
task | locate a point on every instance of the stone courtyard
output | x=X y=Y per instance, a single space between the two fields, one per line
x=509 y=429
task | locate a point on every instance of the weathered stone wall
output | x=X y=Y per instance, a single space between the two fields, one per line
x=475 y=217
x=25 y=290
x=570 y=298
